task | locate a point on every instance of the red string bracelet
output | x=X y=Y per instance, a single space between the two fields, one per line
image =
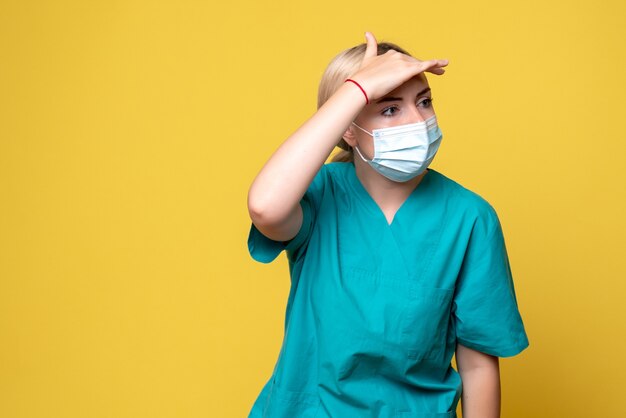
x=367 y=100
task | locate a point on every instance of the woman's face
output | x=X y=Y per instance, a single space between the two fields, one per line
x=409 y=103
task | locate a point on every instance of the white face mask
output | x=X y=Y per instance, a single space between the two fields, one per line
x=405 y=151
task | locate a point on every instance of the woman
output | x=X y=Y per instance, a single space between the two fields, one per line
x=394 y=267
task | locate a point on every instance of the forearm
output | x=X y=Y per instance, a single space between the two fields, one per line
x=481 y=392
x=285 y=177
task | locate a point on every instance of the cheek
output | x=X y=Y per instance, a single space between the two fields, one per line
x=366 y=145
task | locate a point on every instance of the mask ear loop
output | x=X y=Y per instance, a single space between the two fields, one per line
x=369 y=133
x=361 y=155
x=357 y=148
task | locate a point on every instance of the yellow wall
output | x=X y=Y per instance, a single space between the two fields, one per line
x=131 y=130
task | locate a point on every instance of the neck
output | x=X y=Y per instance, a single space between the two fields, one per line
x=388 y=194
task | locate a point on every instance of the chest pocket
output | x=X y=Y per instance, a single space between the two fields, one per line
x=399 y=317
x=426 y=321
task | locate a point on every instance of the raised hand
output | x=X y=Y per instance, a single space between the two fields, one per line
x=380 y=74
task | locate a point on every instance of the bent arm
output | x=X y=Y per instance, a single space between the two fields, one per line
x=273 y=198
x=480 y=374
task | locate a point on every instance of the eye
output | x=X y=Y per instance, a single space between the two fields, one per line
x=389 y=111
x=425 y=102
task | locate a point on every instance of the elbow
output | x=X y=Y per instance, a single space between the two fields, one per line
x=258 y=213
x=256 y=208
x=264 y=211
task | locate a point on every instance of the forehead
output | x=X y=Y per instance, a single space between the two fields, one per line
x=412 y=86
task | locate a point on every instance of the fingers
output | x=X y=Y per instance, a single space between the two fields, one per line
x=434 y=63
x=372 y=46
x=434 y=66
x=437 y=71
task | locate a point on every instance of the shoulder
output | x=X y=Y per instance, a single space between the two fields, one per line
x=469 y=202
x=332 y=174
x=329 y=182
x=336 y=170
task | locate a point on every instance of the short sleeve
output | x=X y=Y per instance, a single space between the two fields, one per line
x=485 y=305
x=265 y=250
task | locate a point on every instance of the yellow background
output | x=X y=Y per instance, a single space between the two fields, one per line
x=131 y=130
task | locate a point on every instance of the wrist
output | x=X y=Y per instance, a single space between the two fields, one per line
x=358 y=85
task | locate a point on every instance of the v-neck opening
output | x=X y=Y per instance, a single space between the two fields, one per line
x=371 y=204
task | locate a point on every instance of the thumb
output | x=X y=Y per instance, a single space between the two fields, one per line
x=372 y=46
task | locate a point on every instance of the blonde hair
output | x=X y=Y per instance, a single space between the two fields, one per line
x=343 y=66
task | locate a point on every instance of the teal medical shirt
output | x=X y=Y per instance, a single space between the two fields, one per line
x=375 y=310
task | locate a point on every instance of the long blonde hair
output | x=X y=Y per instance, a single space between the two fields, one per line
x=344 y=65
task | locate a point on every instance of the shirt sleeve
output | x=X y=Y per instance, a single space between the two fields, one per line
x=485 y=306
x=265 y=250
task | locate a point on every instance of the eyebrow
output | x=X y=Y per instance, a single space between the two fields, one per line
x=399 y=99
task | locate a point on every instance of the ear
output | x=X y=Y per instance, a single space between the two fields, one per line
x=349 y=136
